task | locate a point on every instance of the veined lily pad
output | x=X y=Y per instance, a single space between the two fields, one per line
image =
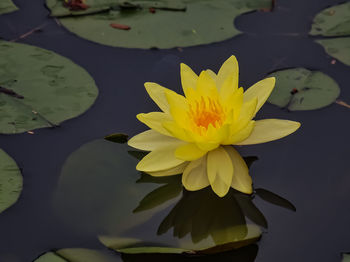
x=78 y=255
x=7 y=6
x=302 y=89
x=333 y=21
x=39 y=88
x=10 y=181
x=184 y=23
x=338 y=48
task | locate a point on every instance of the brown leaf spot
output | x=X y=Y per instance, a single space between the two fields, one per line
x=120 y=26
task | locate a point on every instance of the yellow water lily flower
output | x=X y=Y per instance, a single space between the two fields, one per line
x=194 y=134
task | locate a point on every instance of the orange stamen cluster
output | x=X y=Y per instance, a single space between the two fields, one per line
x=205 y=112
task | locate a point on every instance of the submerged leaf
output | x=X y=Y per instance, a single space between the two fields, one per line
x=40 y=88
x=11 y=181
x=7 y=6
x=170 y=24
x=302 y=89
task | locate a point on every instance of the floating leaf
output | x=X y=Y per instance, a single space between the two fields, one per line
x=302 y=89
x=10 y=181
x=7 y=6
x=78 y=255
x=333 y=21
x=338 y=48
x=274 y=199
x=40 y=88
x=346 y=257
x=164 y=27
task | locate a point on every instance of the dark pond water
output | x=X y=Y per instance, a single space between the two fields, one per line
x=309 y=168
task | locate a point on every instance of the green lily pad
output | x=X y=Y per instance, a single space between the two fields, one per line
x=333 y=21
x=11 y=181
x=39 y=88
x=302 y=89
x=78 y=255
x=7 y=6
x=178 y=26
x=345 y=257
x=338 y=48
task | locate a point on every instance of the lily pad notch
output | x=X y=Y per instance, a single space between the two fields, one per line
x=334 y=23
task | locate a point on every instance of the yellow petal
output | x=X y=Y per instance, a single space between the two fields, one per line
x=233 y=101
x=206 y=86
x=170 y=172
x=151 y=140
x=178 y=107
x=228 y=74
x=241 y=135
x=188 y=78
x=261 y=90
x=159 y=160
x=156 y=92
x=189 y=152
x=241 y=180
x=270 y=129
x=245 y=116
x=154 y=121
x=176 y=131
x=211 y=74
x=195 y=175
x=220 y=171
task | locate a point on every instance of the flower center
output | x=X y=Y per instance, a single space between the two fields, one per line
x=205 y=112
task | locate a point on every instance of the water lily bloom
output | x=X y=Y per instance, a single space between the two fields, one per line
x=194 y=134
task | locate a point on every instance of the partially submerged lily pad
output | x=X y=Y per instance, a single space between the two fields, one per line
x=345 y=257
x=302 y=89
x=160 y=24
x=11 y=181
x=7 y=6
x=78 y=255
x=338 y=48
x=39 y=88
x=332 y=21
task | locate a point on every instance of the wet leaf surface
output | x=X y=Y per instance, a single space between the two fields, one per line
x=167 y=24
x=7 y=6
x=47 y=88
x=11 y=181
x=302 y=89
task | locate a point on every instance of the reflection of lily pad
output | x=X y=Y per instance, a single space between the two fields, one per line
x=338 y=48
x=201 y=22
x=10 y=181
x=302 y=89
x=39 y=88
x=7 y=6
x=78 y=255
x=333 y=21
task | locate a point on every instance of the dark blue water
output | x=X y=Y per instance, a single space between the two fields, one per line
x=309 y=168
